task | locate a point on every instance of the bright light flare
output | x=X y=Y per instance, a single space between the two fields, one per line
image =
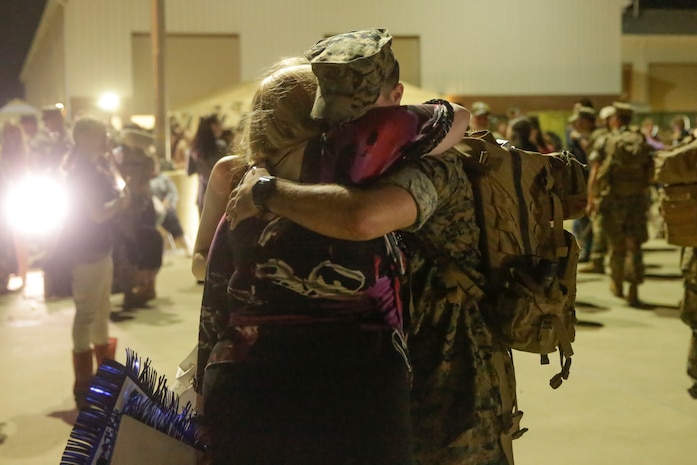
x=37 y=205
x=109 y=101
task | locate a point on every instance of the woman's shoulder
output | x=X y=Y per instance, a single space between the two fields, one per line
x=228 y=171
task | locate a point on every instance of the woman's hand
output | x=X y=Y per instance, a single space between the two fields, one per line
x=240 y=205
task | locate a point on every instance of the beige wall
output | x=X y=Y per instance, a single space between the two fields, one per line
x=465 y=47
x=196 y=66
x=673 y=86
x=408 y=51
x=661 y=71
x=47 y=69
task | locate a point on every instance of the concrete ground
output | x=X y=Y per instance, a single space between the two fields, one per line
x=624 y=403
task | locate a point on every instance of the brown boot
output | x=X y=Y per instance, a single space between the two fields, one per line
x=137 y=296
x=105 y=351
x=616 y=288
x=633 y=295
x=595 y=265
x=150 y=292
x=82 y=365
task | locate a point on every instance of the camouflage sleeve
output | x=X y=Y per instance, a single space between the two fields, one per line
x=410 y=178
x=598 y=151
x=436 y=182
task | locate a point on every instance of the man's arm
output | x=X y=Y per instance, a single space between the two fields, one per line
x=329 y=209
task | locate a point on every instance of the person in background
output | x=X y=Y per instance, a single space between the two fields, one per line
x=598 y=250
x=207 y=147
x=618 y=193
x=14 y=155
x=30 y=126
x=86 y=242
x=480 y=117
x=165 y=191
x=680 y=126
x=580 y=139
x=8 y=261
x=650 y=130
x=538 y=136
x=139 y=245
x=519 y=134
x=179 y=145
x=52 y=142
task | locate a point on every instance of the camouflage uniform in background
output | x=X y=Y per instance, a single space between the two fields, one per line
x=688 y=310
x=599 y=245
x=623 y=205
x=457 y=391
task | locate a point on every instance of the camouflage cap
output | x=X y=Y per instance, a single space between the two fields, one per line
x=480 y=108
x=350 y=68
x=607 y=112
x=623 y=108
x=582 y=112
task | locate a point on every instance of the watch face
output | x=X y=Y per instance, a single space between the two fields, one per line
x=262 y=190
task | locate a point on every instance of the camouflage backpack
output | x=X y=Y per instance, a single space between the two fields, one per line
x=529 y=259
x=676 y=171
x=626 y=169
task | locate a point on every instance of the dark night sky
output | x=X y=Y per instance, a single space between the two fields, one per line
x=18 y=22
x=19 y=19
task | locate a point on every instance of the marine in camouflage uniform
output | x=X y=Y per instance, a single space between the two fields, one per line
x=621 y=203
x=458 y=388
x=599 y=245
x=461 y=372
x=688 y=310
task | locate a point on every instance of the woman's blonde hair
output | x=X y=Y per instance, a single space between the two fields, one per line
x=280 y=118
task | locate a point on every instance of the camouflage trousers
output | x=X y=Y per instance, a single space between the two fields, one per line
x=457 y=405
x=623 y=220
x=599 y=243
x=688 y=305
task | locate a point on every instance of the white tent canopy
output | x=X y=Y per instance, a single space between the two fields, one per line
x=17 y=108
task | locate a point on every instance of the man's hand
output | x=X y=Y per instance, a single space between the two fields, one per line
x=241 y=206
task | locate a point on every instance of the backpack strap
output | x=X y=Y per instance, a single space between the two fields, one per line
x=510 y=415
x=560 y=247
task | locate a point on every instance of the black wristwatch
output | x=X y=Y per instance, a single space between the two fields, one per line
x=262 y=190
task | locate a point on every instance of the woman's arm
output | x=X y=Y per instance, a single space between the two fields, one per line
x=226 y=173
x=461 y=121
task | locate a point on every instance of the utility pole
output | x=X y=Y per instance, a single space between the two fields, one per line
x=159 y=36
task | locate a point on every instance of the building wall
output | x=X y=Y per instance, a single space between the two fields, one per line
x=467 y=47
x=46 y=72
x=661 y=71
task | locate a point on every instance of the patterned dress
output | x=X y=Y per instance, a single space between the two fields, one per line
x=456 y=397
